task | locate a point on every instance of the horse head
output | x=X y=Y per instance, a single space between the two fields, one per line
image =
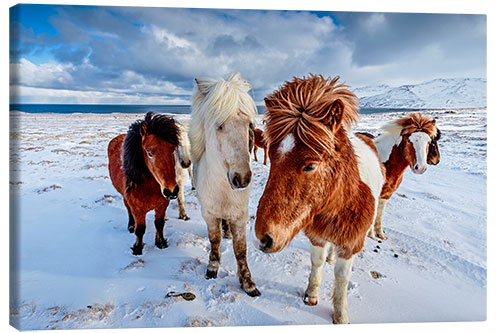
x=416 y=137
x=222 y=126
x=305 y=123
x=149 y=151
x=182 y=153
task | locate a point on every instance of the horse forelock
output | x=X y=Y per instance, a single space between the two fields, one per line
x=214 y=103
x=307 y=107
x=413 y=122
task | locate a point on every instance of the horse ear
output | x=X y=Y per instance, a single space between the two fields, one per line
x=268 y=102
x=143 y=129
x=433 y=121
x=204 y=85
x=337 y=114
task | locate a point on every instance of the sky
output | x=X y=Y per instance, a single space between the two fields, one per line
x=141 y=55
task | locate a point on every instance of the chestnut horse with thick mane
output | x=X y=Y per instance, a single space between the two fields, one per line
x=410 y=141
x=142 y=169
x=323 y=179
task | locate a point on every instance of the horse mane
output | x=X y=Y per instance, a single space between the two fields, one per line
x=309 y=107
x=134 y=165
x=413 y=122
x=213 y=102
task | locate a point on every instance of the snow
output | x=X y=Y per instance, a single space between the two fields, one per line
x=74 y=267
x=438 y=94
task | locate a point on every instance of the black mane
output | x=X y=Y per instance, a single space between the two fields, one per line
x=134 y=166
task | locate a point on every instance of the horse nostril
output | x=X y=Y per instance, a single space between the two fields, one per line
x=166 y=193
x=416 y=167
x=266 y=243
x=185 y=165
x=236 y=180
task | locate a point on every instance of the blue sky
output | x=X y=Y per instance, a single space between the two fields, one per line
x=138 y=55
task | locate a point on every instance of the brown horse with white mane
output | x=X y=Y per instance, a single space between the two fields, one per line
x=323 y=179
x=410 y=141
x=142 y=168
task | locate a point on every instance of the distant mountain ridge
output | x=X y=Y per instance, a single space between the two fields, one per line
x=435 y=94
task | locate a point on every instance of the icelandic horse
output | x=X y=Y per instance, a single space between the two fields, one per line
x=323 y=179
x=410 y=141
x=260 y=143
x=142 y=169
x=182 y=167
x=221 y=136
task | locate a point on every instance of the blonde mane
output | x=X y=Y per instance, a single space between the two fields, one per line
x=212 y=103
x=413 y=122
x=309 y=108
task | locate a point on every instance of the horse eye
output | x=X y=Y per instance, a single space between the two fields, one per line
x=220 y=127
x=310 y=167
x=251 y=125
x=149 y=154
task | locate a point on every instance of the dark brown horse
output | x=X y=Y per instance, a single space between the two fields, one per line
x=259 y=143
x=323 y=179
x=142 y=169
x=410 y=141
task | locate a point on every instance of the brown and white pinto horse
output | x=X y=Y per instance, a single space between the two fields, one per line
x=323 y=179
x=142 y=169
x=410 y=141
x=259 y=143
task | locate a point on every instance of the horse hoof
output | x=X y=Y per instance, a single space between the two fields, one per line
x=310 y=300
x=184 y=217
x=161 y=244
x=136 y=250
x=131 y=229
x=382 y=236
x=340 y=319
x=253 y=293
x=210 y=274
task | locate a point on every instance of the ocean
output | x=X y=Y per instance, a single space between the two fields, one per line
x=108 y=108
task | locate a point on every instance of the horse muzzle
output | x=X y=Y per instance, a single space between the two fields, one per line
x=419 y=169
x=185 y=165
x=238 y=181
x=171 y=195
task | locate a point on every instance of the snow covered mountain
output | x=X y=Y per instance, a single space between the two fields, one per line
x=435 y=94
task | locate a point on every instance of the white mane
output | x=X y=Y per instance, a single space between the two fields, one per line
x=213 y=102
x=390 y=137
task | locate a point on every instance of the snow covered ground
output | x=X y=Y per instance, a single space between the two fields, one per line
x=74 y=267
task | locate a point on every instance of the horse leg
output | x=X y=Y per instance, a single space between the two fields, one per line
x=318 y=257
x=226 y=229
x=214 y=234
x=190 y=170
x=160 y=241
x=180 y=198
x=238 y=229
x=331 y=254
x=255 y=153
x=342 y=270
x=140 y=229
x=378 y=220
x=131 y=221
x=265 y=156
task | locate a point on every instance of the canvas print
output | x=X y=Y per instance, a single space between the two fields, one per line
x=179 y=167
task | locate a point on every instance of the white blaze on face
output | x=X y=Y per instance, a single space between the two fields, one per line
x=286 y=144
x=420 y=142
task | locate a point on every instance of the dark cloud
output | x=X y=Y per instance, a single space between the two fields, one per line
x=380 y=38
x=134 y=49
